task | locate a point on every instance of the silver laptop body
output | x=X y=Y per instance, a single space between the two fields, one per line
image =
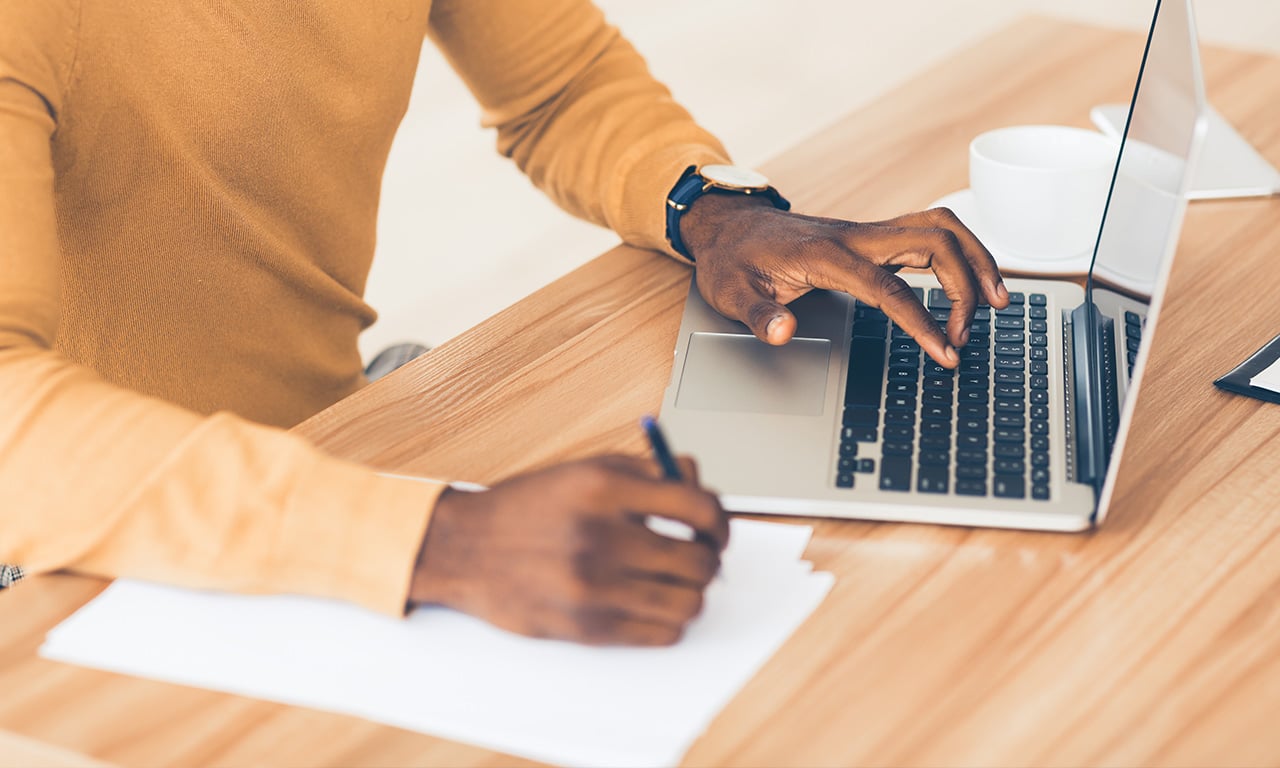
x=788 y=430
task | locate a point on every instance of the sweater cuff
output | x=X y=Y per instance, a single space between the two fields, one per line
x=637 y=204
x=363 y=532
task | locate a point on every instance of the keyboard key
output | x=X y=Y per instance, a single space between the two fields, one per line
x=974 y=381
x=1038 y=300
x=936 y=413
x=1040 y=492
x=1011 y=390
x=900 y=388
x=900 y=434
x=936 y=397
x=1038 y=368
x=1009 y=467
x=1009 y=363
x=844 y=480
x=848 y=448
x=1005 y=405
x=935 y=443
x=866 y=369
x=971 y=457
x=1040 y=476
x=1039 y=397
x=1132 y=332
x=1039 y=427
x=1038 y=326
x=933 y=369
x=1008 y=420
x=904 y=359
x=972 y=396
x=1010 y=337
x=972 y=411
x=1008 y=451
x=935 y=428
x=970 y=425
x=936 y=382
x=934 y=458
x=1039 y=353
x=932 y=479
x=982 y=313
x=903 y=374
x=1131 y=318
x=1016 y=297
x=1039 y=340
x=975 y=353
x=865 y=466
x=1039 y=459
x=1005 y=435
x=900 y=402
x=1039 y=443
x=895 y=473
x=1038 y=313
x=1039 y=412
x=904 y=345
x=976 y=471
x=865 y=434
x=1010 y=324
x=896 y=449
x=1009 y=377
x=971 y=487
x=861 y=416
x=970 y=441
x=938 y=299
x=1008 y=487
x=1013 y=310
x=899 y=417
x=1039 y=382
x=1012 y=350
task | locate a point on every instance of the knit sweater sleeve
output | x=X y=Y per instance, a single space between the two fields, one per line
x=576 y=107
x=98 y=479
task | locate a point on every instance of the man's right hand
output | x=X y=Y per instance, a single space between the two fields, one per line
x=565 y=553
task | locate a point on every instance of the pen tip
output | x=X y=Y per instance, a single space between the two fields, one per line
x=647 y=421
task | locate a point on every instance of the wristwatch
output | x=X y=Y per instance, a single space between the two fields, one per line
x=699 y=180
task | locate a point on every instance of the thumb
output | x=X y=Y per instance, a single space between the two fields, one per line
x=770 y=321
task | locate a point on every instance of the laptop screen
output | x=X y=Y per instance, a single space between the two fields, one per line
x=1141 y=222
x=1149 y=184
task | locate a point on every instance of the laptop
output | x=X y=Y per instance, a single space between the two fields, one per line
x=850 y=419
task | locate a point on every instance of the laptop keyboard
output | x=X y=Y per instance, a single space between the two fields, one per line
x=980 y=430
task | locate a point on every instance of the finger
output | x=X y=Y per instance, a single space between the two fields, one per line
x=695 y=507
x=880 y=288
x=643 y=552
x=650 y=600
x=975 y=253
x=738 y=299
x=933 y=248
x=595 y=625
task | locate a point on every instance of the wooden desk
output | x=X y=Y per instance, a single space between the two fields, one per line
x=1155 y=640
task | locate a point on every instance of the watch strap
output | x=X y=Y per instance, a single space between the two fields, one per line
x=689 y=188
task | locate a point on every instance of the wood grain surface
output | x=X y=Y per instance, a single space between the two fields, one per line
x=1154 y=640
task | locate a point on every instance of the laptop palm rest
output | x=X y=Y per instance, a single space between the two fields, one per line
x=740 y=373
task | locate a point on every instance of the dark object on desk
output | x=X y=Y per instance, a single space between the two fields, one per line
x=1238 y=379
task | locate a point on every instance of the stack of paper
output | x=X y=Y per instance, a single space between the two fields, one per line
x=444 y=673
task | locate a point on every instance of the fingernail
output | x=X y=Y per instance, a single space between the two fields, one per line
x=768 y=331
x=964 y=337
x=951 y=354
x=1001 y=291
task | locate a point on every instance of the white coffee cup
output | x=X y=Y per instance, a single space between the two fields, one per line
x=1041 y=189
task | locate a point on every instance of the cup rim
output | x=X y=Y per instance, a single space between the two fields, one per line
x=1112 y=142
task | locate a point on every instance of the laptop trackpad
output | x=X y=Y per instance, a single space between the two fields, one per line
x=733 y=372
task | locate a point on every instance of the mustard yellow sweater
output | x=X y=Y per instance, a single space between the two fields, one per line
x=188 y=193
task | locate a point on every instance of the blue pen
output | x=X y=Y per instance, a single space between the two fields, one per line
x=661 y=451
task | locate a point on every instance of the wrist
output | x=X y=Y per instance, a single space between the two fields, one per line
x=712 y=213
x=437 y=574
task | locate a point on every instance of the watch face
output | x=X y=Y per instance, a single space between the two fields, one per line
x=733 y=176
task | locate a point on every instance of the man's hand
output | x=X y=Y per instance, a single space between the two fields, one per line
x=565 y=553
x=752 y=259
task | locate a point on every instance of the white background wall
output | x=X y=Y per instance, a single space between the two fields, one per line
x=463 y=234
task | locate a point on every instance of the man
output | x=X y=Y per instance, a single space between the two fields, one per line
x=188 y=195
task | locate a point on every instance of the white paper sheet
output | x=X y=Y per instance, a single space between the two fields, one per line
x=447 y=674
x=1268 y=378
